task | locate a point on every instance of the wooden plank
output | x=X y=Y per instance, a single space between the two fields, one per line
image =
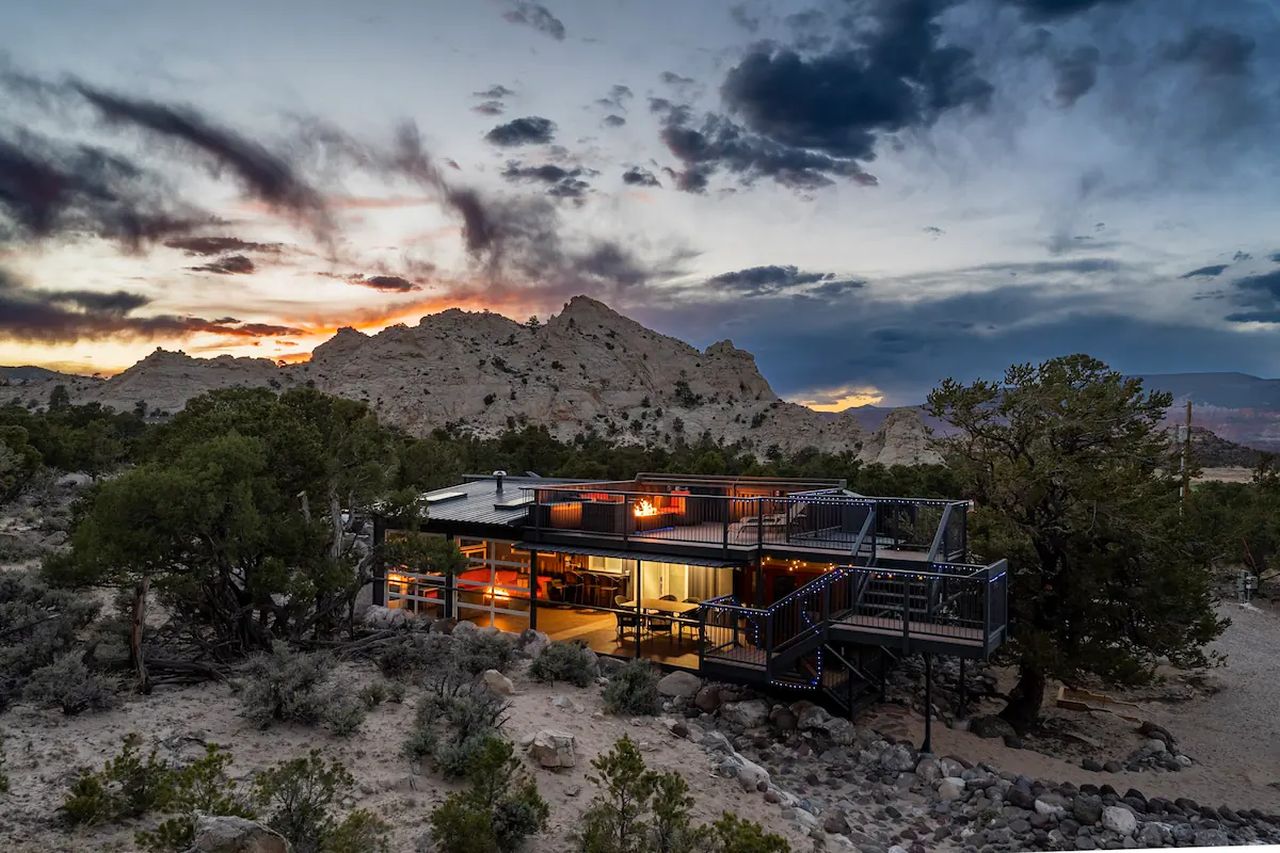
x=890 y=626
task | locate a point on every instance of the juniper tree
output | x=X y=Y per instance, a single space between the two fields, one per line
x=1076 y=482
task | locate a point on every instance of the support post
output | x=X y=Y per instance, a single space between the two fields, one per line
x=450 y=589
x=533 y=590
x=639 y=588
x=379 y=568
x=927 y=746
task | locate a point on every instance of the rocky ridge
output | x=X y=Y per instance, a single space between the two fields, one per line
x=588 y=368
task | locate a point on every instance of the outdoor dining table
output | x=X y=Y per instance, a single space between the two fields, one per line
x=677 y=609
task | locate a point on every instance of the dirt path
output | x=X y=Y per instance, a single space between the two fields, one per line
x=1233 y=734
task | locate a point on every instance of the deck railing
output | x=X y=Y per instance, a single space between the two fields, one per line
x=949 y=602
x=826 y=521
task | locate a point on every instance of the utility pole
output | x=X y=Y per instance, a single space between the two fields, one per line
x=1186 y=458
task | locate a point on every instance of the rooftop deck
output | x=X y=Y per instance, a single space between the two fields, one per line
x=739 y=517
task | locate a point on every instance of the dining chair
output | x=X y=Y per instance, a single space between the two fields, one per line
x=627 y=619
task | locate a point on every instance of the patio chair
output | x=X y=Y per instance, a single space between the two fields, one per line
x=627 y=619
x=572 y=587
x=689 y=619
x=661 y=624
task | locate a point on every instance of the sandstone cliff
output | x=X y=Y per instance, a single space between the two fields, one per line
x=587 y=368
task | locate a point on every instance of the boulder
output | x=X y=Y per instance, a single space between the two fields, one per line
x=751 y=776
x=464 y=628
x=1119 y=819
x=380 y=618
x=498 y=683
x=1087 y=809
x=991 y=726
x=708 y=699
x=811 y=716
x=225 y=834
x=951 y=788
x=551 y=748
x=679 y=684
x=783 y=718
x=898 y=758
x=748 y=714
x=73 y=481
x=532 y=642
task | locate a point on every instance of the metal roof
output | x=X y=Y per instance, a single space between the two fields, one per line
x=479 y=499
x=647 y=557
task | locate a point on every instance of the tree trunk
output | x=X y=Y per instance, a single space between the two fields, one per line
x=136 y=626
x=335 y=521
x=1026 y=698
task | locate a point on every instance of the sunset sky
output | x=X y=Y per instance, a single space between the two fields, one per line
x=869 y=196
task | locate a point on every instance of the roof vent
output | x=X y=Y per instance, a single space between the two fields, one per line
x=498 y=476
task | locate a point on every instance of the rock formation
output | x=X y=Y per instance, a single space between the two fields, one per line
x=587 y=369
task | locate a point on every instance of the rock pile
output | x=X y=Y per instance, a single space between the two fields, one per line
x=852 y=789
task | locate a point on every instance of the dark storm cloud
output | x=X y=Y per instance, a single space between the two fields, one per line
x=489 y=108
x=219 y=245
x=774 y=280
x=1241 y=256
x=1215 y=51
x=1275 y=258
x=933 y=231
x=60 y=317
x=115 y=302
x=739 y=15
x=523 y=131
x=1076 y=74
x=807 y=117
x=51 y=189
x=614 y=121
x=265 y=176
x=495 y=92
x=230 y=265
x=386 y=283
x=1211 y=271
x=636 y=176
x=561 y=182
x=671 y=78
x=720 y=143
x=1044 y=10
x=1260 y=294
x=537 y=16
x=617 y=97
x=906 y=346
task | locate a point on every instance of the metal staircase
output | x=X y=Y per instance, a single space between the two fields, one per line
x=838 y=634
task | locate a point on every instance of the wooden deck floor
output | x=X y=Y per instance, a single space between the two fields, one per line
x=892 y=627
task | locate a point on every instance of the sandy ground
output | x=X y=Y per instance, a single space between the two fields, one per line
x=44 y=748
x=1226 y=475
x=1233 y=734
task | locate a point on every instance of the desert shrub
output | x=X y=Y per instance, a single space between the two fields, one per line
x=38 y=625
x=344 y=713
x=127 y=786
x=201 y=787
x=373 y=694
x=672 y=831
x=571 y=662
x=289 y=686
x=414 y=653
x=477 y=651
x=632 y=689
x=298 y=798
x=732 y=834
x=498 y=810
x=454 y=719
x=67 y=683
x=616 y=820
x=637 y=810
x=361 y=831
